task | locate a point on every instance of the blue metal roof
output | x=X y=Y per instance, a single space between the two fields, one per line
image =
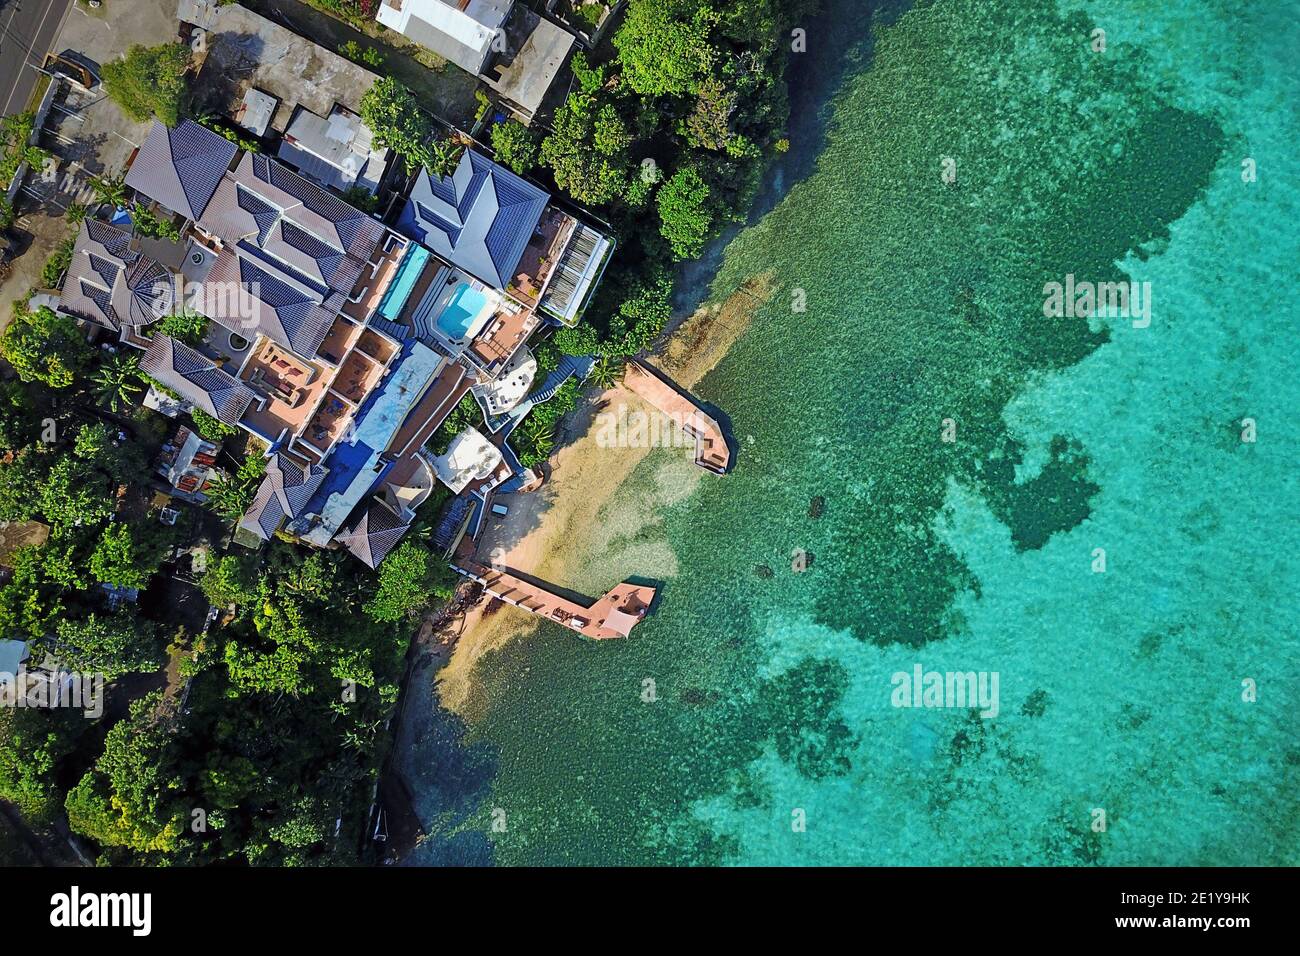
x=479 y=218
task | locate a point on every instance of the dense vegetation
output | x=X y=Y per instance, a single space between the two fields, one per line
x=150 y=81
x=668 y=136
x=286 y=698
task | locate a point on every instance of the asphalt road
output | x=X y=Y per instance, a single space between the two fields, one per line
x=27 y=31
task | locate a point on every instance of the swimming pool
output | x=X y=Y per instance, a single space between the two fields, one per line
x=460 y=316
x=399 y=289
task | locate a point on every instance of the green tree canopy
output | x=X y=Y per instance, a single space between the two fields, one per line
x=228 y=581
x=29 y=605
x=127 y=799
x=408 y=579
x=18 y=420
x=70 y=496
x=45 y=347
x=119 y=560
x=664 y=47
x=587 y=149
x=111 y=644
x=685 y=216
x=394 y=116
x=21 y=475
x=150 y=81
x=515 y=145
x=579 y=340
x=32 y=741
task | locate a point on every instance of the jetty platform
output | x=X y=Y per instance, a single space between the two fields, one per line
x=711 y=450
x=613 y=614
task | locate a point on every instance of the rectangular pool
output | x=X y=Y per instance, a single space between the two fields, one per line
x=399 y=289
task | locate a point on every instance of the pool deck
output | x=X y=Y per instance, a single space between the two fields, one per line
x=375 y=279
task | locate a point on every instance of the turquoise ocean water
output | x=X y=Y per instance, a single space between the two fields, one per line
x=772 y=738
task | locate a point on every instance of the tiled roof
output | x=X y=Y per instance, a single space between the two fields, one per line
x=181 y=167
x=196 y=379
x=298 y=250
x=284 y=492
x=479 y=218
x=319 y=210
x=375 y=533
x=274 y=302
x=113 y=285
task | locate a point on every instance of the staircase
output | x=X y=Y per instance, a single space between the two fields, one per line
x=571 y=366
x=398 y=331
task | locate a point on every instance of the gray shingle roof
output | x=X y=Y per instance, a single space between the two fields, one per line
x=297 y=250
x=112 y=284
x=273 y=301
x=284 y=492
x=196 y=379
x=375 y=533
x=181 y=167
x=479 y=218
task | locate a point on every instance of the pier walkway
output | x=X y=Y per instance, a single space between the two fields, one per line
x=711 y=451
x=613 y=614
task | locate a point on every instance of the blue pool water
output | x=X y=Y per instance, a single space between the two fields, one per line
x=462 y=309
x=408 y=270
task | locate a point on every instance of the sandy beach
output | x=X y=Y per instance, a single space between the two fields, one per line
x=547 y=530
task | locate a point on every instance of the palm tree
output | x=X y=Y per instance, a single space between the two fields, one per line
x=541 y=442
x=109 y=189
x=117 y=381
x=444 y=155
x=607 y=372
x=535 y=431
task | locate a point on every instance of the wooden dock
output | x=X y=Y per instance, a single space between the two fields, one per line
x=613 y=614
x=711 y=451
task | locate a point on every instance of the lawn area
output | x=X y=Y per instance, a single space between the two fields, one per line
x=443 y=88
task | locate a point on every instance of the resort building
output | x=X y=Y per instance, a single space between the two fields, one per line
x=339 y=342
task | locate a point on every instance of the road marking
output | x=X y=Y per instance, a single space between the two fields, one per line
x=27 y=59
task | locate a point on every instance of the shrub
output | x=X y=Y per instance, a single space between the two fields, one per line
x=44 y=346
x=515 y=145
x=57 y=264
x=213 y=429
x=150 y=81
